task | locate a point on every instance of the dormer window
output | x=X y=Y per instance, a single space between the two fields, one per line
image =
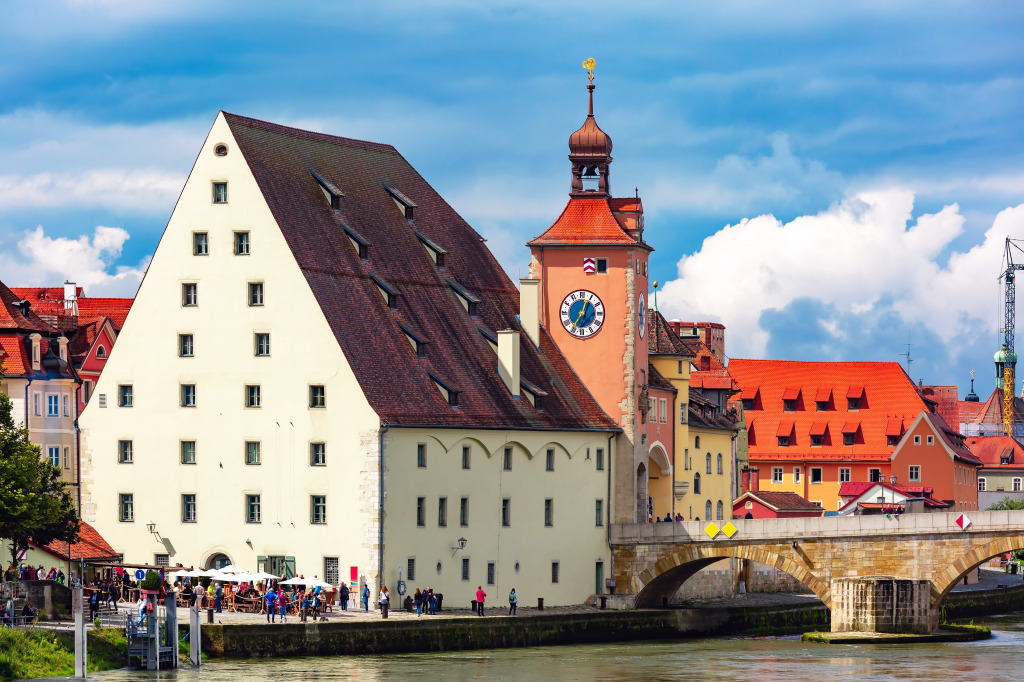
x=852 y=404
x=434 y=250
x=470 y=302
x=821 y=405
x=450 y=394
x=404 y=203
x=817 y=441
x=892 y=441
x=789 y=405
x=101 y=352
x=389 y=293
x=331 y=193
x=359 y=242
x=783 y=441
x=418 y=344
x=533 y=393
x=748 y=403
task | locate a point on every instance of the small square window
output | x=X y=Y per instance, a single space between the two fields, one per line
x=186 y=346
x=849 y=438
x=318 y=454
x=776 y=474
x=317 y=396
x=241 y=243
x=465 y=456
x=981 y=484
x=892 y=441
x=200 y=244
x=125 y=452
x=549 y=460
x=915 y=473
x=421 y=455
x=549 y=512
x=817 y=441
x=821 y=405
x=253 y=510
x=253 y=452
x=188 y=508
x=783 y=441
x=815 y=474
x=602 y=265
x=789 y=405
x=875 y=475
x=188 y=395
x=421 y=511
x=126 y=504
x=1016 y=485
x=318 y=509
x=189 y=294
x=917 y=440
x=853 y=404
x=255 y=294
x=844 y=475
x=52 y=406
x=125 y=397
x=261 y=344
x=931 y=440
x=220 y=192
x=188 y=452
x=252 y=396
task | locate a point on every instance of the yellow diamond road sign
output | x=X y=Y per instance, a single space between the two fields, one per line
x=712 y=530
x=729 y=530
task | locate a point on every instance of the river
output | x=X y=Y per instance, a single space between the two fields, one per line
x=742 y=658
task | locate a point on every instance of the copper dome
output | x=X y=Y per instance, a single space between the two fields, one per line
x=590 y=140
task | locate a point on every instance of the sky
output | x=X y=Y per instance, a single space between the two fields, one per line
x=830 y=181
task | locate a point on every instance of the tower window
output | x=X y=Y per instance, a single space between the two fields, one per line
x=602 y=266
x=220 y=192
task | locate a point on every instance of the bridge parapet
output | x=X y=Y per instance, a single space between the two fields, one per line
x=778 y=530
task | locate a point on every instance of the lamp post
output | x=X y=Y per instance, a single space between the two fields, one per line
x=892 y=483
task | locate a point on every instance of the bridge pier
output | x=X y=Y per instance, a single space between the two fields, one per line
x=883 y=604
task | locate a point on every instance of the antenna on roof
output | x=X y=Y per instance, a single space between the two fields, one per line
x=907 y=356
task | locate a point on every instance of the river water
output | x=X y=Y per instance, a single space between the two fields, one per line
x=742 y=658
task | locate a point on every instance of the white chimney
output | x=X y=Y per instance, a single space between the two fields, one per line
x=35 y=339
x=63 y=343
x=508 y=359
x=529 y=308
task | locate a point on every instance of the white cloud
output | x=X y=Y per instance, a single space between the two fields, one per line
x=863 y=256
x=87 y=261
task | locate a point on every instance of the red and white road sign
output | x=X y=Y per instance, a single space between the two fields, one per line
x=963 y=521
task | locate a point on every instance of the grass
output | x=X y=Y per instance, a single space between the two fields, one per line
x=43 y=653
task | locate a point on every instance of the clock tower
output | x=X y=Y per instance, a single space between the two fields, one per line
x=592 y=267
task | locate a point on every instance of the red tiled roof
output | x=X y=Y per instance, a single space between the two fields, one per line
x=953 y=440
x=856 y=489
x=717 y=379
x=992 y=449
x=96 y=308
x=13 y=318
x=785 y=429
x=791 y=394
x=850 y=427
x=780 y=501
x=894 y=427
x=946 y=399
x=626 y=204
x=90 y=546
x=662 y=340
x=656 y=380
x=14 y=356
x=818 y=428
x=50 y=301
x=989 y=414
x=823 y=395
x=748 y=392
x=395 y=382
x=585 y=221
x=886 y=390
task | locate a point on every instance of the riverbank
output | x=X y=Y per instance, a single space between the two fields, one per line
x=39 y=652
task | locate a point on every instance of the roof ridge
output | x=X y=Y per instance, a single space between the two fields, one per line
x=306 y=134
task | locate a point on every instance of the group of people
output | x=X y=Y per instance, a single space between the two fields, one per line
x=29 y=572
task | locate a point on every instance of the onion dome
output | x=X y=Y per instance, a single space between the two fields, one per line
x=1005 y=356
x=590 y=140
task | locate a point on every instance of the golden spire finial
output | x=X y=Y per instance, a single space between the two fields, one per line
x=589 y=65
x=972 y=375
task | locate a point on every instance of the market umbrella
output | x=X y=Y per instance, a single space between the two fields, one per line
x=183 y=574
x=296 y=581
x=231 y=568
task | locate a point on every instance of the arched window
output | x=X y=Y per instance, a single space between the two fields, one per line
x=696 y=483
x=696 y=442
x=707 y=510
x=101 y=352
x=718 y=510
x=719 y=462
x=707 y=463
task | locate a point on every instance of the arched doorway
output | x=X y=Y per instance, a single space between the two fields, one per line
x=659 y=481
x=217 y=562
x=642 y=501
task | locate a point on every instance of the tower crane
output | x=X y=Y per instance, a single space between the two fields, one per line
x=1006 y=358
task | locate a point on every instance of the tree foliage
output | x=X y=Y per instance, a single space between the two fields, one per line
x=1006 y=503
x=34 y=502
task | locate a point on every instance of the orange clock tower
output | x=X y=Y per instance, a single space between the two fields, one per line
x=592 y=267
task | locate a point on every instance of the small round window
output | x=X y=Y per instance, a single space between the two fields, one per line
x=221 y=150
x=439 y=568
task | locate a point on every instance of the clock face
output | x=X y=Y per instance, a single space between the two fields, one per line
x=582 y=313
x=641 y=315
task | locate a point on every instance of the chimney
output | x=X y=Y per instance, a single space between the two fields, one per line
x=529 y=313
x=745 y=480
x=508 y=359
x=755 y=480
x=63 y=343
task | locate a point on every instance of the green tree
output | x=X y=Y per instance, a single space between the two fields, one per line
x=34 y=502
x=1006 y=503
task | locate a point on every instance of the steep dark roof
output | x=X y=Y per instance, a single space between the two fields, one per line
x=430 y=300
x=18 y=318
x=780 y=501
x=662 y=340
x=656 y=380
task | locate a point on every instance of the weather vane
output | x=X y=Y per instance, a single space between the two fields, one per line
x=589 y=65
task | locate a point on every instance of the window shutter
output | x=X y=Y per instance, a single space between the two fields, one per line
x=289 y=567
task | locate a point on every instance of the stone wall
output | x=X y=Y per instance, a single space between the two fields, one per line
x=721 y=580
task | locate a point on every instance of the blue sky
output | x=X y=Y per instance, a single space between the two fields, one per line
x=829 y=182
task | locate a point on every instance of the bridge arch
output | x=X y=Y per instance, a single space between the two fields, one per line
x=954 y=573
x=664 y=578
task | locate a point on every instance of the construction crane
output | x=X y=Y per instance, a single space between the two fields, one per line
x=1006 y=358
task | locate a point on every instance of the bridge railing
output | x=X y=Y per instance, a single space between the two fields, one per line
x=829 y=526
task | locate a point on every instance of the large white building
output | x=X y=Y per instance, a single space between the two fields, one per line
x=326 y=372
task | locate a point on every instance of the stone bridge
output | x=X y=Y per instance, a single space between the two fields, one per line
x=875 y=573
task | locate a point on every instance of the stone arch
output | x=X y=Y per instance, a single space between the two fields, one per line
x=213 y=554
x=469 y=440
x=552 y=445
x=665 y=577
x=642 y=512
x=947 y=579
x=658 y=454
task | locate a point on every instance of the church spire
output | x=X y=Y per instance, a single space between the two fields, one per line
x=590 y=150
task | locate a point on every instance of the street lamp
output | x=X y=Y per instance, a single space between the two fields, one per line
x=151 y=527
x=892 y=483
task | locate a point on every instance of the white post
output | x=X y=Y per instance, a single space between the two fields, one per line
x=78 y=607
x=195 y=635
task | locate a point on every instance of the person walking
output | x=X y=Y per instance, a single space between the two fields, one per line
x=218 y=595
x=384 y=600
x=480 y=596
x=417 y=599
x=343 y=593
x=366 y=597
x=271 y=600
x=94 y=605
x=513 y=600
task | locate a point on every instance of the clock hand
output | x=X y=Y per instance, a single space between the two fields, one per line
x=579 y=317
